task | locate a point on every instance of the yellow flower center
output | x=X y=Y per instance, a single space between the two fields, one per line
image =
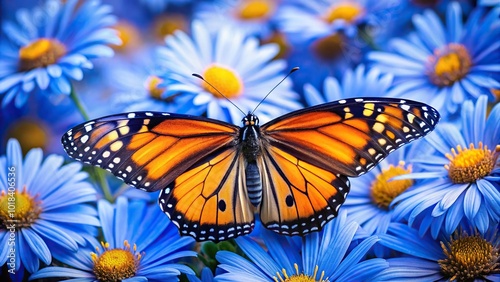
x=328 y=47
x=115 y=264
x=168 y=24
x=299 y=277
x=152 y=87
x=19 y=208
x=384 y=190
x=40 y=53
x=223 y=79
x=344 y=11
x=128 y=34
x=470 y=164
x=449 y=65
x=255 y=9
x=30 y=133
x=469 y=258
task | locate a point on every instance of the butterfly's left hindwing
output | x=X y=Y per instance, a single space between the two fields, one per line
x=147 y=150
x=209 y=201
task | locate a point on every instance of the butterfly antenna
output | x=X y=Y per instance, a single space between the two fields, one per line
x=289 y=73
x=201 y=77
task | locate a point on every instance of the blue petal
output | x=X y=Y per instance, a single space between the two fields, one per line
x=42 y=78
x=492 y=134
x=53 y=232
x=236 y=266
x=257 y=254
x=29 y=259
x=37 y=245
x=121 y=223
x=454 y=22
x=454 y=215
x=10 y=81
x=472 y=202
x=353 y=258
x=106 y=215
x=21 y=98
x=430 y=29
x=55 y=271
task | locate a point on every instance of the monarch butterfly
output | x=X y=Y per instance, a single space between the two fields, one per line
x=214 y=176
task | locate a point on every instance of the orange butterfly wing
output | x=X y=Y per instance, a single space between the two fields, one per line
x=350 y=136
x=298 y=197
x=308 y=154
x=210 y=201
x=148 y=150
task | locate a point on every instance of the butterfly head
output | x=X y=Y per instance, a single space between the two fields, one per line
x=250 y=120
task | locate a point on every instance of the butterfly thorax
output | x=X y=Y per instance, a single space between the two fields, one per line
x=250 y=148
x=250 y=137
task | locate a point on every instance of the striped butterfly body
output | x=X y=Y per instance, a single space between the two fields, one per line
x=214 y=176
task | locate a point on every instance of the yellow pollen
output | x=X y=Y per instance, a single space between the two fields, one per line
x=129 y=36
x=344 y=11
x=449 y=65
x=168 y=24
x=115 y=264
x=470 y=164
x=255 y=9
x=469 y=258
x=152 y=87
x=30 y=133
x=40 y=53
x=223 y=79
x=18 y=207
x=329 y=47
x=300 y=277
x=384 y=190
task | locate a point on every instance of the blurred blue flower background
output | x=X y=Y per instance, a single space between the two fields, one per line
x=429 y=212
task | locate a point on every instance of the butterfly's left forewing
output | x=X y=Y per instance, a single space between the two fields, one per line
x=147 y=150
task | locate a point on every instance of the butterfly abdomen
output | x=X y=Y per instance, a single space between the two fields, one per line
x=254 y=184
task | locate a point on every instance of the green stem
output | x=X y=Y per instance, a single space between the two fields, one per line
x=98 y=173
x=78 y=103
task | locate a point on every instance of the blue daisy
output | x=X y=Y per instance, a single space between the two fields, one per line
x=354 y=83
x=462 y=184
x=35 y=127
x=51 y=46
x=464 y=256
x=255 y=17
x=140 y=244
x=137 y=86
x=309 y=20
x=445 y=65
x=371 y=198
x=235 y=65
x=50 y=213
x=327 y=37
x=325 y=256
